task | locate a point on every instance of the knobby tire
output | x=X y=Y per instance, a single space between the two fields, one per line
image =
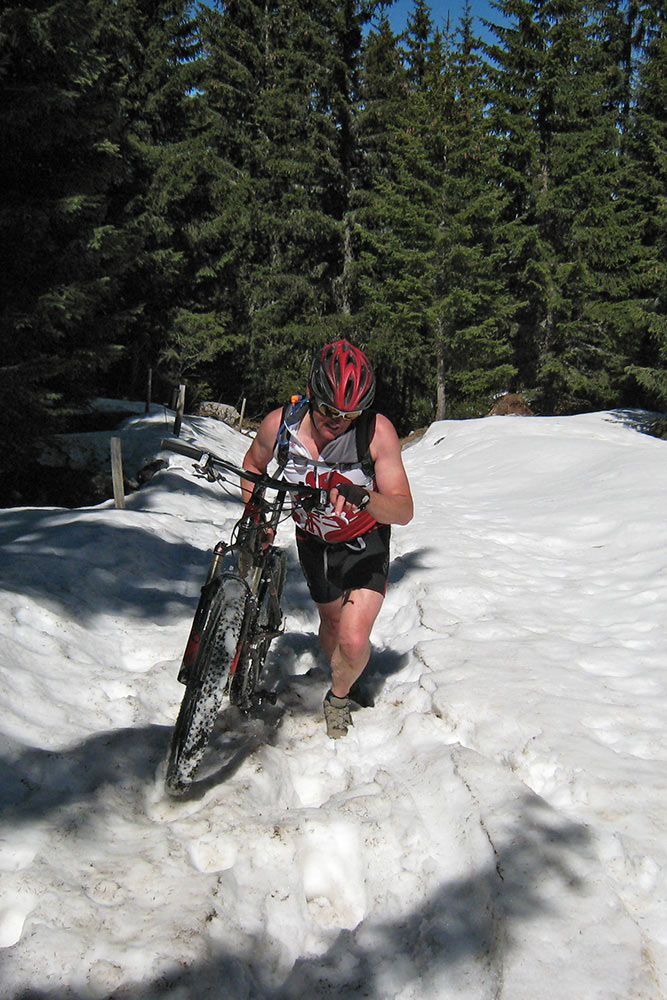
x=206 y=688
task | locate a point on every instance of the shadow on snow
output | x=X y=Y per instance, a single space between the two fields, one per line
x=471 y=920
x=87 y=566
x=644 y=421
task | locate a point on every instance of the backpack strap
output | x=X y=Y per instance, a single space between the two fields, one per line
x=365 y=429
x=295 y=403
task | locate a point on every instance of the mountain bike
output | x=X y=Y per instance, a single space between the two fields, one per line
x=238 y=615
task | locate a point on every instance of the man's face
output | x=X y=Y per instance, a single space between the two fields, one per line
x=331 y=427
x=328 y=421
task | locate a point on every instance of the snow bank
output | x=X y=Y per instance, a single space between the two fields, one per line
x=493 y=827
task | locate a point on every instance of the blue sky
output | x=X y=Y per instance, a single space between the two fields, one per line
x=442 y=9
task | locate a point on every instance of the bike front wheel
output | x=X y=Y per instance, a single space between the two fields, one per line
x=220 y=648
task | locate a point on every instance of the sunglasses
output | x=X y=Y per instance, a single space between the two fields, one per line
x=334 y=413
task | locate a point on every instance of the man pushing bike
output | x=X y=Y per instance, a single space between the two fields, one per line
x=344 y=550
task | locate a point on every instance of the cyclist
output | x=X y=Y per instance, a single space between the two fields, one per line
x=344 y=552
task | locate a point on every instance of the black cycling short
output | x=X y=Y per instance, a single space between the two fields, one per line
x=333 y=569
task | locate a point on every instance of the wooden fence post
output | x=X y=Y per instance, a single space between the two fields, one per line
x=117 y=473
x=180 y=406
x=149 y=390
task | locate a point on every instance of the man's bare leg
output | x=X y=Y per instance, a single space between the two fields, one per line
x=345 y=629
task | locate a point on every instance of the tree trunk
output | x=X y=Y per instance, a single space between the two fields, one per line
x=440 y=398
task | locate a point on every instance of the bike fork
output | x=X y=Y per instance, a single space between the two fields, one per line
x=194 y=639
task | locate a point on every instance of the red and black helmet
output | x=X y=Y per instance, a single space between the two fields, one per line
x=341 y=375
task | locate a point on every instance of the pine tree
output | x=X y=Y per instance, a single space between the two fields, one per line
x=280 y=89
x=298 y=181
x=646 y=190
x=154 y=49
x=418 y=44
x=224 y=222
x=474 y=308
x=397 y=214
x=349 y=21
x=58 y=281
x=561 y=168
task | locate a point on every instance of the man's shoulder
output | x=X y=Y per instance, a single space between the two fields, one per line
x=385 y=445
x=267 y=432
x=384 y=429
x=382 y=421
x=271 y=421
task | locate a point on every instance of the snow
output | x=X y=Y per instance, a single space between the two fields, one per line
x=140 y=438
x=493 y=828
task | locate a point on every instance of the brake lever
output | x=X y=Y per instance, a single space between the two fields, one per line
x=204 y=470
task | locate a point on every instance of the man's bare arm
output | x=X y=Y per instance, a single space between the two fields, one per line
x=260 y=452
x=391 y=501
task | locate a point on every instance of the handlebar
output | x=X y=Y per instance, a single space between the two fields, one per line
x=189 y=450
x=308 y=496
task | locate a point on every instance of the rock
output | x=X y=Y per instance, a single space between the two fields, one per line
x=146 y=474
x=510 y=403
x=220 y=411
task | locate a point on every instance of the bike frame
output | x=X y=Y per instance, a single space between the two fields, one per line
x=247 y=559
x=237 y=616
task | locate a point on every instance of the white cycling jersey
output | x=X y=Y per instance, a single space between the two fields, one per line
x=338 y=462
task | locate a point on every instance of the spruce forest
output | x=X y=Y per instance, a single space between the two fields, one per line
x=212 y=191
